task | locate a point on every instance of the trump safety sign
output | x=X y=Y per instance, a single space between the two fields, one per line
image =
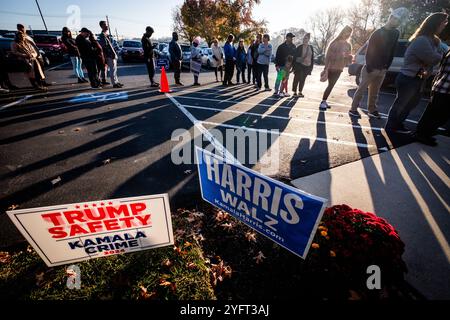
x=282 y=213
x=71 y=233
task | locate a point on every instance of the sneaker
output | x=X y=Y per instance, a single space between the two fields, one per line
x=117 y=86
x=374 y=115
x=302 y=96
x=324 y=105
x=287 y=95
x=268 y=89
x=295 y=94
x=196 y=84
x=4 y=90
x=180 y=84
x=154 y=85
x=429 y=141
x=354 y=114
x=258 y=89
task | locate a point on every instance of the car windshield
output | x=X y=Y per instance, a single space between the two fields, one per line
x=132 y=44
x=46 y=39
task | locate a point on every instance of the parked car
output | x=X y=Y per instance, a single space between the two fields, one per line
x=51 y=45
x=360 y=60
x=132 y=51
x=207 y=57
x=319 y=59
x=14 y=64
x=186 y=49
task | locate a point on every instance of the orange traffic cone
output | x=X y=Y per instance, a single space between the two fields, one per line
x=164 y=82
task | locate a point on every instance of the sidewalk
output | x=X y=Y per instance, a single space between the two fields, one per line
x=409 y=187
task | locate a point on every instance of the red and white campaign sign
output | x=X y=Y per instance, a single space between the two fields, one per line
x=77 y=232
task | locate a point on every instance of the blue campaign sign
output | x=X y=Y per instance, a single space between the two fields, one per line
x=100 y=97
x=282 y=213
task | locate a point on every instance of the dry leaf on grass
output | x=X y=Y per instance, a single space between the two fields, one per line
x=4 y=257
x=221 y=216
x=259 y=258
x=251 y=236
x=219 y=272
x=13 y=207
x=145 y=295
x=191 y=266
x=167 y=284
x=107 y=161
x=227 y=226
x=167 y=263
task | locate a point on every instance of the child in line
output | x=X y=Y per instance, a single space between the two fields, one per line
x=281 y=85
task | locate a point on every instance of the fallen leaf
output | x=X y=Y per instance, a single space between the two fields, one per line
x=192 y=266
x=188 y=172
x=219 y=272
x=198 y=214
x=61 y=132
x=221 y=216
x=143 y=294
x=56 y=181
x=106 y=162
x=354 y=296
x=198 y=237
x=259 y=258
x=77 y=129
x=13 y=207
x=251 y=236
x=227 y=226
x=167 y=263
x=4 y=257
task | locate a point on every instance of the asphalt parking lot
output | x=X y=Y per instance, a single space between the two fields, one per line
x=73 y=144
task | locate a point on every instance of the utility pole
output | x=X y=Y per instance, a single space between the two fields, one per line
x=109 y=26
x=117 y=35
x=43 y=20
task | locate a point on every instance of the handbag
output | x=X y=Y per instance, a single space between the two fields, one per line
x=324 y=76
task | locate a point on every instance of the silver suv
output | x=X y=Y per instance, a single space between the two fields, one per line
x=360 y=60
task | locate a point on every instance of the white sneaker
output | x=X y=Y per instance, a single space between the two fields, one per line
x=287 y=95
x=324 y=105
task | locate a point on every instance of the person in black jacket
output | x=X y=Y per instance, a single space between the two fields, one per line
x=176 y=56
x=147 y=45
x=87 y=53
x=303 y=65
x=5 y=84
x=74 y=54
x=255 y=54
x=285 y=50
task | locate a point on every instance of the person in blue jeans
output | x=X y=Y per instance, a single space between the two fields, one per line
x=241 y=62
x=421 y=56
x=230 y=60
x=264 y=56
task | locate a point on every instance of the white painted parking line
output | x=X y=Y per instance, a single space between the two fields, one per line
x=58 y=66
x=15 y=103
x=297 y=136
x=285 y=118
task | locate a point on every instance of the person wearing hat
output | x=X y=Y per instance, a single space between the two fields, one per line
x=379 y=57
x=176 y=57
x=87 y=53
x=149 y=55
x=285 y=50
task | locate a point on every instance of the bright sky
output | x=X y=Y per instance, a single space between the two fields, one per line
x=132 y=16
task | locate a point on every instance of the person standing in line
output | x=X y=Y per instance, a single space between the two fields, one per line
x=437 y=112
x=265 y=51
x=379 y=57
x=303 y=65
x=24 y=50
x=217 y=62
x=5 y=83
x=281 y=85
x=250 y=63
x=88 y=56
x=255 y=56
x=337 y=57
x=285 y=50
x=149 y=55
x=230 y=60
x=241 y=61
x=100 y=61
x=74 y=54
x=176 y=56
x=106 y=41
x=421 y=56
x=196 y=60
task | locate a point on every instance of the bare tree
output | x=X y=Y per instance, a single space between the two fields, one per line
x=324 y=26
x=364 y=18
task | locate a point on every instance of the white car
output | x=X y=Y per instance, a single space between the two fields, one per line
x=360 y=60
x=207 y=58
